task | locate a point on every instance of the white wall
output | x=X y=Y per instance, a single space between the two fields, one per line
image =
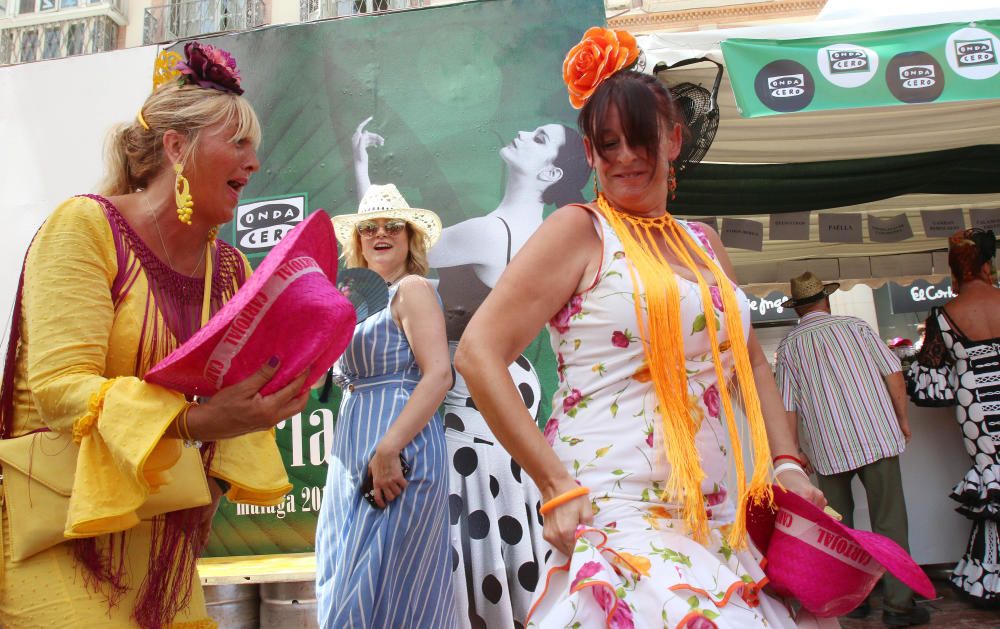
x=284 y=11
x=54 y=116
x=136 y=12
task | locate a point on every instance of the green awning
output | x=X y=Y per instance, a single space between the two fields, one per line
x=754 y=189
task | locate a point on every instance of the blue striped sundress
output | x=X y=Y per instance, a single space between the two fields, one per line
x=391 y=567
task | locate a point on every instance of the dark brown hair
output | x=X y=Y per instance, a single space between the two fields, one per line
x=644 y=105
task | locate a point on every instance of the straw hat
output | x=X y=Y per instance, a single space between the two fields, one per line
x=290 y=308
x=807 y=288
x=386 y=202
x=827 y=566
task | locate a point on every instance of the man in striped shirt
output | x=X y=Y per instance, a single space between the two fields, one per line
x=844 y=387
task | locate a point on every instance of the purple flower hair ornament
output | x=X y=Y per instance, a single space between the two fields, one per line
x=207 y=66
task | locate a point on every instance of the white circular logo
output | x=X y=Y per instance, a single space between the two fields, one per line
x=847 y=65
x=972 y=53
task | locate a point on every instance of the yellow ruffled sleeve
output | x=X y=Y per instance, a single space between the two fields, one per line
x=252 y=466
x=67 y=320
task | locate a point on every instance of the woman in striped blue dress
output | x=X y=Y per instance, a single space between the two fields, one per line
x=382 y=548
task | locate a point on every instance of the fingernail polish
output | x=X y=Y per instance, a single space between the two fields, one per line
x=273 y=361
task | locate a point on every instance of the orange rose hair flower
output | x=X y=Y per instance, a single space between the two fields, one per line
x=600 y=53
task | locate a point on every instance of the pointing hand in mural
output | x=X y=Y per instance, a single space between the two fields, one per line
x=361 y=141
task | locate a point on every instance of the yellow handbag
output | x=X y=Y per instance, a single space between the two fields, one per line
x=38 y=473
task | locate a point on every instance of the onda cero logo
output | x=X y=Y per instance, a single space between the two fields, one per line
x=914 y=77
x=972 y=53
x=847 y=65
x=978 y=52
x=262 y=224
x=785 y=85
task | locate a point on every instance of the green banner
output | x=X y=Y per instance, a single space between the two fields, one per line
x=469 y=101
x=940 y=63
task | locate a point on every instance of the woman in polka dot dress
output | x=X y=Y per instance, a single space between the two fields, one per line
x=959 y=364
x=496 y=531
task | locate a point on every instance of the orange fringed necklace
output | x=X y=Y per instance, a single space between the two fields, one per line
x=663 y=341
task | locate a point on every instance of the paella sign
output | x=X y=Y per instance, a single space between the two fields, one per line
x=938 y=63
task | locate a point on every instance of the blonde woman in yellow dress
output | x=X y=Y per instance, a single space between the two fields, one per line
x=112 y=284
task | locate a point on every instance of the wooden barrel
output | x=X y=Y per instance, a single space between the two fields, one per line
x=288 y=605
x=234 y=606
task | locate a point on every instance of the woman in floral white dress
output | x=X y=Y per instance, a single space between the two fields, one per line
x=634 y=552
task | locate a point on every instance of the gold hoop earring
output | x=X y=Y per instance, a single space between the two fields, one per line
x=182 y=195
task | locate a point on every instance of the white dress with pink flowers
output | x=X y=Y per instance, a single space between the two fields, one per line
x=636 y=567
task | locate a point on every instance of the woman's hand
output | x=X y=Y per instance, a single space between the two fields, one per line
x=798 y=483
x=560 y=523
x=240 y=409
x=387 y=476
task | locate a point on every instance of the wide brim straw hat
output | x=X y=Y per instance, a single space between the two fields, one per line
x=807 y=288
x=385 y=201
x=290 y=309
x=827 y=566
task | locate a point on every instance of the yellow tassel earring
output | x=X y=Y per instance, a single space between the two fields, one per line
x=182 y=195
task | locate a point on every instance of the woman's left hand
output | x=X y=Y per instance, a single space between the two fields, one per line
x=387 y=476
x=798 y=483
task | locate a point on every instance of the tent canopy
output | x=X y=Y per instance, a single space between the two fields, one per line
x=828 y=135
x=838 y=161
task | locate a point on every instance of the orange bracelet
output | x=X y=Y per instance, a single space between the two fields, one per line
x=563 y=498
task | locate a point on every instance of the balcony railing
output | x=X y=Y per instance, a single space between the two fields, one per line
x=54 y=39
x=179 y=20
x=322 y=9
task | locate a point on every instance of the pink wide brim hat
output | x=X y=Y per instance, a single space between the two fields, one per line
x=827 y=566
x=290 y=308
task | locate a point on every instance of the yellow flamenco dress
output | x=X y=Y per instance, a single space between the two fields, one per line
x=97 y=310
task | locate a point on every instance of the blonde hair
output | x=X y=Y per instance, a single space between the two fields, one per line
x=416 y=259
x=134 y=154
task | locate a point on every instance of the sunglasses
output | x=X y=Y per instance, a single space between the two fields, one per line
x=368 y=229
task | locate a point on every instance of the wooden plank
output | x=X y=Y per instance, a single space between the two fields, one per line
x=257 y=569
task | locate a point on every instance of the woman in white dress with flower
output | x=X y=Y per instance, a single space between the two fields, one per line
x=645 y=523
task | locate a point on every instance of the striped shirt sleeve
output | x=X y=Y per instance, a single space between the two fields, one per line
x=885 y=361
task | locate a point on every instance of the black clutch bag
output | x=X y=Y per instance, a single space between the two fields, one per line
x=368 y=487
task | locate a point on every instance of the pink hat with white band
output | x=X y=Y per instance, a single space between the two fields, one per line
x=290 y=308
x=829 y=567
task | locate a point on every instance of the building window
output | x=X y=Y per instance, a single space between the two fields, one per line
x=47 y=5
x=56 y=39
x=6 y=46
x=68 y=4
x=102 y=37
x=308 y=10
x=74 y=39
x=50 y=43
x=26 y=6
x=29 y=46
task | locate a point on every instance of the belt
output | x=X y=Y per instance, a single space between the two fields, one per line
x=355 y=384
